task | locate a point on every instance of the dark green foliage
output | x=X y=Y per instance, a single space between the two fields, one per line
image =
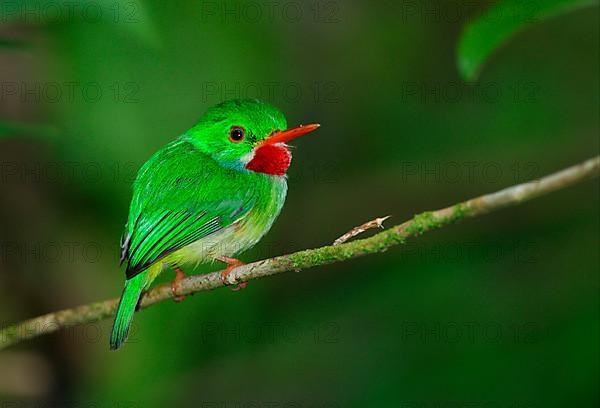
x=501 y=22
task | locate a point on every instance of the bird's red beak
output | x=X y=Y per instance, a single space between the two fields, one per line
x=285 y=136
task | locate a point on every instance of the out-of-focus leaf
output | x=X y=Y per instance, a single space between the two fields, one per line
x=494 y=27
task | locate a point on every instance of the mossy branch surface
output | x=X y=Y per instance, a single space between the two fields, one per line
x=309 y=258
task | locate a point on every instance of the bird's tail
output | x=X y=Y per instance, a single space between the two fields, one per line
x=125 y=310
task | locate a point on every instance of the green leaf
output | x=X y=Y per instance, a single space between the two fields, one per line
x=499 y=23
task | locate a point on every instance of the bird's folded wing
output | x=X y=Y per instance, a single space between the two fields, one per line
x=176 y=204
x=157 y=235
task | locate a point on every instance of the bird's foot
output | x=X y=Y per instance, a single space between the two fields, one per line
x=232 y=263
x=175 y=285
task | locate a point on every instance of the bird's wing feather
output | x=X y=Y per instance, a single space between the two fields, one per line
x=181 y=196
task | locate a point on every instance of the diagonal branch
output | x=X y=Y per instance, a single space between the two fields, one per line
x=309 y=258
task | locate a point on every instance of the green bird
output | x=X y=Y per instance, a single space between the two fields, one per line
x=210 y=194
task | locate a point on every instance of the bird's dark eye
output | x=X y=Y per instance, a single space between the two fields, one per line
x=237 y=134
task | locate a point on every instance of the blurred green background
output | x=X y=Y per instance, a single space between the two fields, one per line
x=501 y=311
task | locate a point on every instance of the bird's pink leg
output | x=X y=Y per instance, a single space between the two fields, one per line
x=179 y=276
x=232 y=263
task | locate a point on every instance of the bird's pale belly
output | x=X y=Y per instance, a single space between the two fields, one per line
x=234 y=239
x=229 y=242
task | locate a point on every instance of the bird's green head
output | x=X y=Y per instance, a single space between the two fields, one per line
x=246 y=135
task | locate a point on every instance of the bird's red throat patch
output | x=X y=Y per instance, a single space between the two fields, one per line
x=271 y=159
